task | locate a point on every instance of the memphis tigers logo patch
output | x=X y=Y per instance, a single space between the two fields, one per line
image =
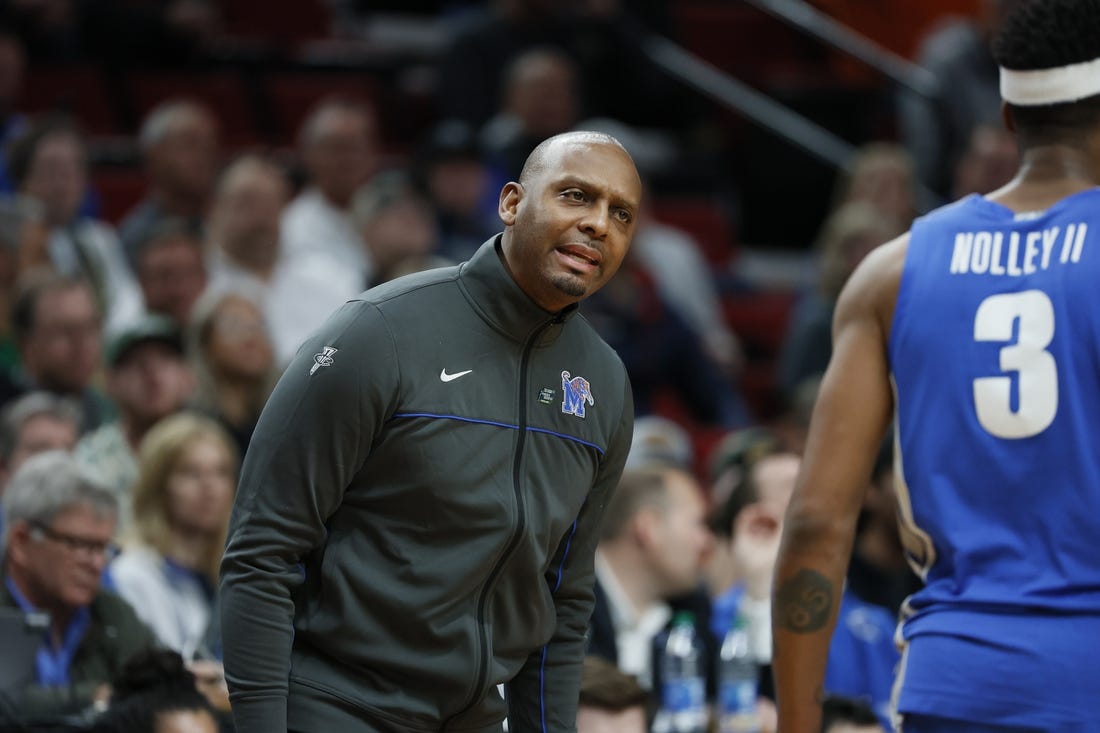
x=578 y=393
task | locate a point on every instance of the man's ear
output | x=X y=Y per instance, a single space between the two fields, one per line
x=508 y=207
x=646 y=525
x=18 y=538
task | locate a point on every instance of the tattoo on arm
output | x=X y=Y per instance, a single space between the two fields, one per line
x=804 y=602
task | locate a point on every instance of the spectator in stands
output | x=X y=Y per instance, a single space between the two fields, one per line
x=989 y=162
x=398 y=226
x=244 y=230
x=663 y=355
x=754 y=475
x=339 y=148
x=452 y=175
x=936 y=129
x=181 y=500
x=35 y=423
x=49 y=165
x=685 y=281
x=233 y=357
x=245 y=251
x=881 y=174
x=604 y=39
x=171 y=269
x=180 y=141
x=660 y=442
x=611 y=701
x=56 y=323
x=847 y=715
x=56 y=543
x=652 y=548
x=149 y=379
x=156 y=693
x=540 y=100
x=847 y=236
x=23 y=234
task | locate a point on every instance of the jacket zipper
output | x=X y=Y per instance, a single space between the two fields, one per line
x=517 y=533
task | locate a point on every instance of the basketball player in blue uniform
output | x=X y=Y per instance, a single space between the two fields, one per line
x=978 y=334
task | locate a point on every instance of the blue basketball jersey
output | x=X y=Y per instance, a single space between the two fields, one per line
x=995 y=355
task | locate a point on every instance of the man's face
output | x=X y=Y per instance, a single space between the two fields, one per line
x=545 y=97
x=57 y=176
x=172 y=276
x=681 y=538
x=63 y=348
x=186 y=159
x=40 y=433
x=152 y=381
x=406 y=229
x=247 y=213
x=60 y=566
x=341 y=155
x=238 y=346
x=570 y=225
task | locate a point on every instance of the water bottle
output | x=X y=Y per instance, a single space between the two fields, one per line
x=683 y=683
x=738 y=682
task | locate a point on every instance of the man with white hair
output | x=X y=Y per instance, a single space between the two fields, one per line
x=57 y=536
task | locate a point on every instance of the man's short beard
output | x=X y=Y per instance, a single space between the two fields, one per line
x=570 y=285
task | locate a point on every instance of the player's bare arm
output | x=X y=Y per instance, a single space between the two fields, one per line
x=853 y=410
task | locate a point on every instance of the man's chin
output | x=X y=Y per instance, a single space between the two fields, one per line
x=571 y=285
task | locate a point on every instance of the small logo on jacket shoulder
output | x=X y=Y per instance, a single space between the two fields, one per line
x=324 y=358
x=577 y=392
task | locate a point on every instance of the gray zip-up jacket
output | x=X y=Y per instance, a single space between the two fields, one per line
x=418 y=512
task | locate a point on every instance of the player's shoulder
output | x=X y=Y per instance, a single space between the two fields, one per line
x=873 y=286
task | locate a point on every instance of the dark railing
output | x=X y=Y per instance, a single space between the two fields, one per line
x=769 y=114
x=813 y=22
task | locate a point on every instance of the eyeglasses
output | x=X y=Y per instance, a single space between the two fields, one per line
x=108 y=550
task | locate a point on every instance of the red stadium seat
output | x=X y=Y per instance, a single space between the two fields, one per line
x=704 y=220
x=759 y=318
x=743 y=41
x=77 y=90
x=284 y=23
x=119 y=189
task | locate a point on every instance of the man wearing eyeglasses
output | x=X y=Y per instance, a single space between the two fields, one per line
x=57 y=534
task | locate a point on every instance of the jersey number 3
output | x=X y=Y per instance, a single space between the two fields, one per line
x=1036 y=371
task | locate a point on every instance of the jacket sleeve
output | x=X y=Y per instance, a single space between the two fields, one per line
x=312 y=438
x=543 y=696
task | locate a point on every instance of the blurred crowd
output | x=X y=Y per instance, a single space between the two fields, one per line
x=136 y=355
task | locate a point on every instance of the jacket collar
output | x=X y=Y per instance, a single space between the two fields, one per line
x=500 y=301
